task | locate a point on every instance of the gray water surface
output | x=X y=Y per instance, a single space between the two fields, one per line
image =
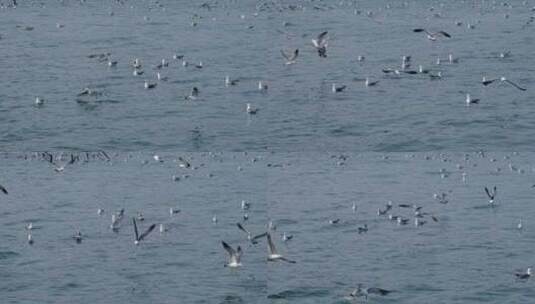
x=243 y=40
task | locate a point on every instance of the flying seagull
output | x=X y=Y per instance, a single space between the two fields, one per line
x=490 y=194
x=139 y=238
x=320 y=43
x=3 y=189
x=432 y=36
x=249 y=235
x=502 y=79
x=273 y=255
x=290 y=59
x=235 y=255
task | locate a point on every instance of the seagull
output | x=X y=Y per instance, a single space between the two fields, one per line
x=363 y=229
x=29 y=226
x=111 y=63
x=249 y=235
x=173 y=211
x=250 y=110
x=245 y=216
x=502 y=79
x=100 y=211
x=335 y=221
x=369 y=83
x=418 y=222
x=229 y=82
x=3 y=189
x=286 y=238
x=452 y=60
x=354 y=207
x=162 y=228
x=30 y=239
x=214 y=219
x=364 y=292
x=320 y=43
x=402 y=221
x=491 y=195
x=39 y=101
x=194 y=94
x=137 y=72
x=290 y=59
x=139 y=238
x=262 y=86
x=337 y=89
x=199 y=65
x=421 y=70
x=150 y=85
x=519 y=226
x=136 y=64
x=87 y=91
x=235 y=255
x=78 y=237
x=162 y=64
x=436 y=76
x=470 y=101
x=405 y=62
x=140 y=217
x=524 y=275
x=432 y=36
x=273 y=255
x=116 y=219
x=160 y=77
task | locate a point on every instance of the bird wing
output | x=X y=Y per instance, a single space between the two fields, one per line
x=242 y=228
x=135 y=229
x=287 y=260
x=488 y=193
x=285 y=55
x=419 y=30
x=3 y=189
x=321 y=40
x=271 y=246
x=515 y=85
x=487 y=82
x=229 y=249
x=445 y=34
x=259 y=236
x=295 y=54
x=149 y=230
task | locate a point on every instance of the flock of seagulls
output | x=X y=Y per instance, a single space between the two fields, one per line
x=401 y=214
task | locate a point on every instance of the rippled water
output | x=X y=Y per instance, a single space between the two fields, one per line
x=468 y=256
x=243 y=39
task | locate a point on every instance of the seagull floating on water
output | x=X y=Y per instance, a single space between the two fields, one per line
x=336 y=89
x=470 y=101
x=230 y=82
x=250 y=110
x=524 y=275
x=364 y=292
x=78 y=237
x=150 y=85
